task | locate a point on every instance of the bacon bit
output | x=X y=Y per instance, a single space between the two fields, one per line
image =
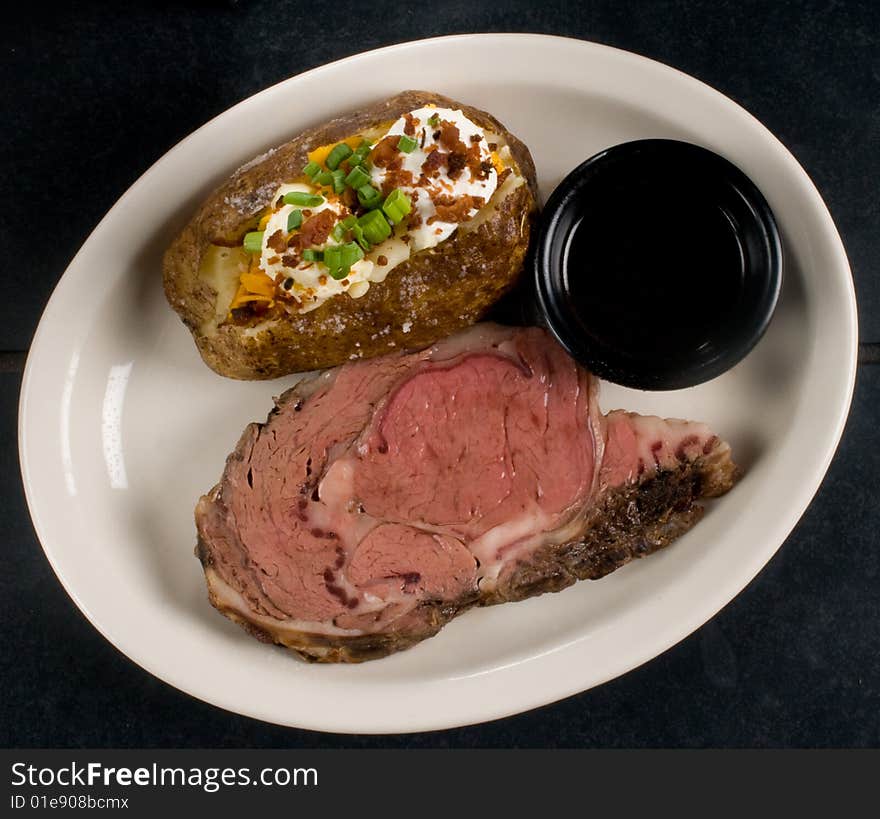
x=442 y=199
x=475 y=163
x=414 y=221
x=450 y=136
x=438 y=230
x=455 y=210
x=306 y=213
x=503 y=175
x=344 y=282
x=493 y=146
x=290 y=260
x=273 y=260
x=277 y=242
x=385 y=153
x=422 y=140
x=435 y=136
x=322 y=280
x=315 y=231
x=433 y=162
x=396 y=179
x=406 y=238
x=349 y=198
x=381 y=260
x=476 y=137
x=456 y=162
x=410 y=123
x=486 y=167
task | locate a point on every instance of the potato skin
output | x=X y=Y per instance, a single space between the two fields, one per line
x=433 y=294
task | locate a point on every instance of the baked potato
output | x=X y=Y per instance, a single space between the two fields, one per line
x=392 y=226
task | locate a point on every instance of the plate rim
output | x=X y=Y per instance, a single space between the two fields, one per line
x=675 y=633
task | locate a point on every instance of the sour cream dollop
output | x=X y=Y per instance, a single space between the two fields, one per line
x=441 y=184
x=311 y=283
x=445 y=167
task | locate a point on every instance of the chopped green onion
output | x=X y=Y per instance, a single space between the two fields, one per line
x=294 y=220
x=369 y=196
x=338 y=180
x=361 y=153
x=333 y=257
x=357 y=177
x=339 y=152
x=349 y=222
x=303 y=199
x=324 y=178
x=253 y=241
x=434 y=120
x=310 y=255
x=351 y=253
x=406 y=144
x=396 y=205
x=375 y=226
x=311 y=169
x=338 y=232
x=357 y=233
x=340 y=258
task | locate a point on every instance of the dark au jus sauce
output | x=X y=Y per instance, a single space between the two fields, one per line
x=652 y=266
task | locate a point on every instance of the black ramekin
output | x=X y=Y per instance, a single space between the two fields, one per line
x=757 y=234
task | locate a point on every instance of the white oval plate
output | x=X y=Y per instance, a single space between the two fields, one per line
x=122 y=426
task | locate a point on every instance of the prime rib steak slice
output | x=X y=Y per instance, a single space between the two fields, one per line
x=384 y=497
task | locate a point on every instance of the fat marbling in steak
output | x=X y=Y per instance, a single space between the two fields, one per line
x=384 y=497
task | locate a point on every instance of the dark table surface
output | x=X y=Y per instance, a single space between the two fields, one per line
x=96 y=92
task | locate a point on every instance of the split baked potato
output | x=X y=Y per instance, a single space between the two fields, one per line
x=389 y=227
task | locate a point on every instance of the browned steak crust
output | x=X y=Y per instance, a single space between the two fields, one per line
x=628 y=522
